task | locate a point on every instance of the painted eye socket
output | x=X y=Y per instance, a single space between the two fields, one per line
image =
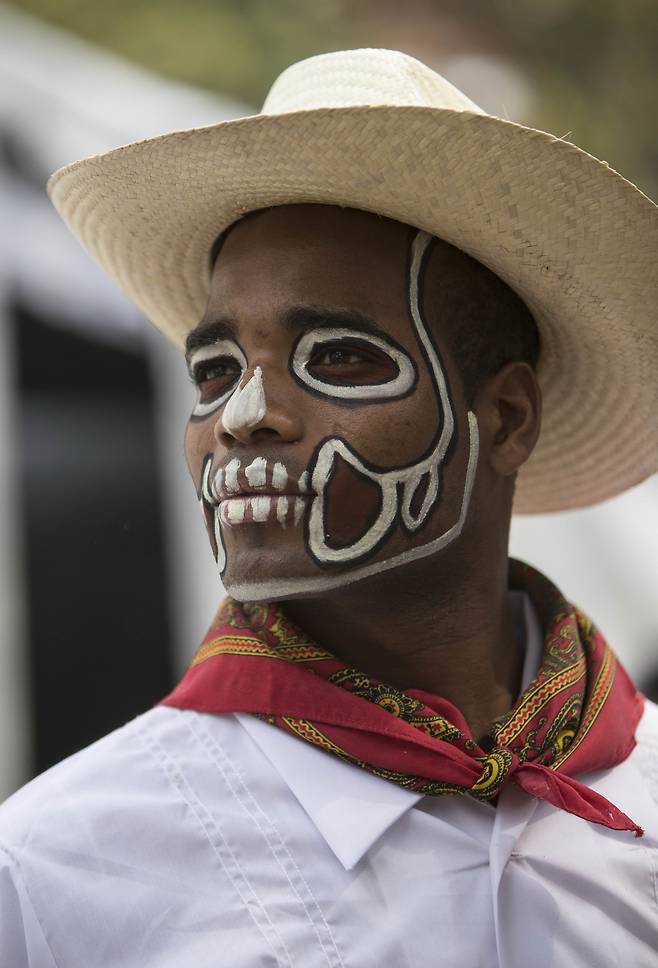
x=215 y=376
x=351 y=362
x=352 y=365
x=215 y=370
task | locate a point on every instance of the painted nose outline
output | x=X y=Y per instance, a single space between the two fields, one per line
x=246 y=406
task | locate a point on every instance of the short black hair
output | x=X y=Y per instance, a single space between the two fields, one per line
x=484 y=323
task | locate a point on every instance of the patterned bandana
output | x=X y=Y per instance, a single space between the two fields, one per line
x=578 y=714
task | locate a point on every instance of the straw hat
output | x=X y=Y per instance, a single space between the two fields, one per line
x=379 y=131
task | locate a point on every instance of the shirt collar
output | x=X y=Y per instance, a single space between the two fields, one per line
x=352 y=808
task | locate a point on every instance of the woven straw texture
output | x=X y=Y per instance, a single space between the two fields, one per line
x=378 y=131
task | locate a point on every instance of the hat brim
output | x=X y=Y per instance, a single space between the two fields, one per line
x=572 y=237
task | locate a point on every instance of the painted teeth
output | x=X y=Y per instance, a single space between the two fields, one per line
x=261 y=508
x=231 y=478
x=216 y=485
x=279 y=477
x=255 y=473
x=257 y=507
x=235 y=511
x=282 y=510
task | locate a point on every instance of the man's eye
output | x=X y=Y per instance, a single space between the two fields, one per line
x=336 y=356
x=212 y=377
x=351 y=364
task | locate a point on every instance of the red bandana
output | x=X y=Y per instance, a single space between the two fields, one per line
x=578 y=714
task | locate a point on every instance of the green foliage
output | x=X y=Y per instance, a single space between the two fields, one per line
x=235 y=47
x=591 y=63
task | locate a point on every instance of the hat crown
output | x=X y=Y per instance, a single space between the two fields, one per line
x=350 y=78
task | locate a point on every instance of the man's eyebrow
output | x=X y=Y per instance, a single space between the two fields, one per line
x=209 y=332
x=296 y=318
x=312 y=317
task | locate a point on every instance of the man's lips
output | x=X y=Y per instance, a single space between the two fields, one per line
x=258 y=492
x=262 y=508
x=256 y=477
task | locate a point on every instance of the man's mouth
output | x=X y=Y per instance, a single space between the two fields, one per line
x=256 y=491
x=256 y=477
x=262 y=508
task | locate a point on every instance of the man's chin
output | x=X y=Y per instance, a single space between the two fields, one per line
x=259 y=584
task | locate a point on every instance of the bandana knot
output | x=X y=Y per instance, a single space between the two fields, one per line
x=497 y=768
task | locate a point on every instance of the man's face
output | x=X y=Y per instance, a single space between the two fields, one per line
x=330 y=440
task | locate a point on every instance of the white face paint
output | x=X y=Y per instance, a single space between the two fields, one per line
x=259 y=473
x=223 y=356
x=209 y=506
x=398 y=486
x=231 y=477
x=255 y=472
x=246 y=406
x=260 y=509
x=279 y=476
x=282 y=511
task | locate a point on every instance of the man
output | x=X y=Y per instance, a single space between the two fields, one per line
x=393 y=746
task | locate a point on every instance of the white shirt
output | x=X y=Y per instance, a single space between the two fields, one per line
x=193 y=840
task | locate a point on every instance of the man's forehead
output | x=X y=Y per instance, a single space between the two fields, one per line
x=314 y=224
x=342 y=242
x=311 y=255
x=312 y=243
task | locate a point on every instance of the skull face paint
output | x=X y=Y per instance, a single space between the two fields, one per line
x=399 y=487
x=326 y=503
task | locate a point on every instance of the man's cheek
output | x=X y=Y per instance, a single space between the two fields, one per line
x=353 y=502
x=198 y=442
x=192 y=455
x=391 y=435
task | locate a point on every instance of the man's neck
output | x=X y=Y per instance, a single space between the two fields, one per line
x=455 y=639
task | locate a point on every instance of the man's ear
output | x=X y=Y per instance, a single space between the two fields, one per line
x=508 y=407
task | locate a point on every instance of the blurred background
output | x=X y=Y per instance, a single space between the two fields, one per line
x=106 y=578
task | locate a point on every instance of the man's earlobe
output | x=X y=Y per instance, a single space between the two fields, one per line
x=509 y=409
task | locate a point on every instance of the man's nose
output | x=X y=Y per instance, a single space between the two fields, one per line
x=256 y=411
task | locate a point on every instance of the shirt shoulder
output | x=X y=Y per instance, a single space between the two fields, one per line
x=166 y=821
x=107 y=784
x=77 y=777
x=43 y=827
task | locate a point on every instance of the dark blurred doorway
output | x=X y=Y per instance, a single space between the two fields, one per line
x=98 y=629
